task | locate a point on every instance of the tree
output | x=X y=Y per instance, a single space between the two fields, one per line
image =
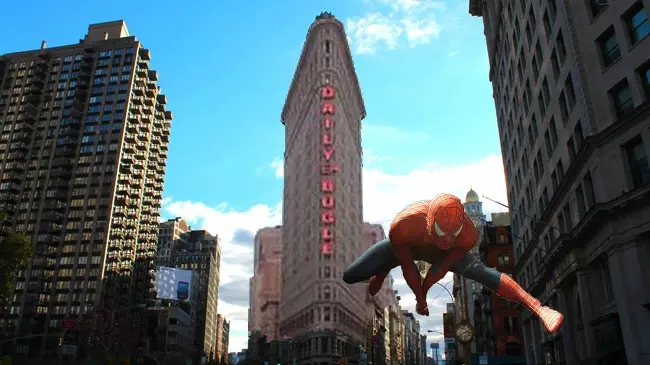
x=15 y=252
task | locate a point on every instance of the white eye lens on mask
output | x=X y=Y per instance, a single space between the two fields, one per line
x=439 y=231
x=458 y=231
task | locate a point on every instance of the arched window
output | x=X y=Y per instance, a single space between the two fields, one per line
x=506 y=325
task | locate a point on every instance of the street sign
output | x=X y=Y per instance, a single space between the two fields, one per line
x=70 y=338
x=483 y=360
x=68 y=350
x=69 y=324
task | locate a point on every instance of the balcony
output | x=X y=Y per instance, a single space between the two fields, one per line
x=128 y=147
x=45 y=56
x=13 y=176
x=19 y=146
x=148 y=110
x=61 y=173
x=151 y=89
x=10 y=187
x=145 y=128
x=33 y=98
x=118 y=222
x=153 y=75
x=162 y=99
x=56 y=205
x=23 y=137
x=24 y=127
x=38 y=83
x=141 y=71
x=52 y=216
x=144 y=54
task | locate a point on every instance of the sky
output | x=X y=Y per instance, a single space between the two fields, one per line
x=226 y=67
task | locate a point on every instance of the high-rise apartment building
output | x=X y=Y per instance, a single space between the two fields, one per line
x=201 y=252
x=571 y=84
x=82 y=157
x=264 y=308
x=322 y=212
x=170 y=233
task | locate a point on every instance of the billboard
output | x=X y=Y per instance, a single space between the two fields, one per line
x=448 y=324
x=173 y=284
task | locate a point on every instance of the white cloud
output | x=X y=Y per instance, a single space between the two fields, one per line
x=398 y=20
x=278 y=167
x=452 y=54
x=366 y=32
x=384 y=196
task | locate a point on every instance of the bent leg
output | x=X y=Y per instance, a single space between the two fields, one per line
x=473 y=269
x=507 y=288
x=377 y=260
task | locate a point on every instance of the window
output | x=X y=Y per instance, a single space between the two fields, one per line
x=638 y=163
x=541 y=162
x=622 y=98
x=566 y=213
x=571 y=147
x=554 y=181
x=545 y=90
x=551 y=127
x=561 y=48
x=552 y=7
x=597 y=6
x=529 y=34
x=644 y=72
x=589 y=190
x=531 y=18
x=609 y=49
x=555 y=64
x=560 y=170
x=564 y=108
x=570 y=92
x=580 y=199
x=637 y=23
x=547 y=25
x=578 y=136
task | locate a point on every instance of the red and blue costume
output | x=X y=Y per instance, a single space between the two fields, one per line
x=439 y=232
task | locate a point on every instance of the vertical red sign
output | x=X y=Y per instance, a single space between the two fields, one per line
x=328 y=171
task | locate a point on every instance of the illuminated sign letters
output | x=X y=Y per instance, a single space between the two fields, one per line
x=328 y=170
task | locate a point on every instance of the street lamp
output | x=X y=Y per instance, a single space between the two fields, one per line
x=434 y=331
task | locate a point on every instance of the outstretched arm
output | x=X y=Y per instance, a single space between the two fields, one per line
x=410 y=271
x=437 y=272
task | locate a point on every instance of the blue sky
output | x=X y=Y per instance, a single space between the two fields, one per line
x=226 y=67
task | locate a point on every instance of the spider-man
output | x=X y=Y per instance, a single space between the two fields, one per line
x=439 y=232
